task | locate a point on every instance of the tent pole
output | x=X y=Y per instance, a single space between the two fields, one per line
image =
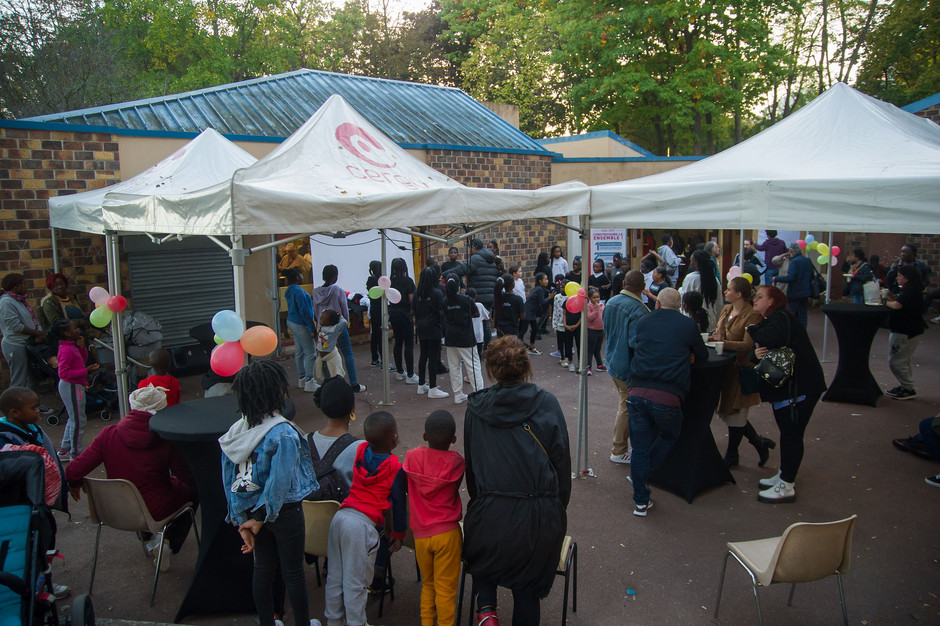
x=583 y=470
x=276 y=301
x=386 y=385
x=117 y=322
x=55 y=250
x=741 y=249
x=238 y=254
x=825 y=353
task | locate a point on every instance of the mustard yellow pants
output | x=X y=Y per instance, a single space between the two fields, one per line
x=439 y=561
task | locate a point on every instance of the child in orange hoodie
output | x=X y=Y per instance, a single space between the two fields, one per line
x=434 y=477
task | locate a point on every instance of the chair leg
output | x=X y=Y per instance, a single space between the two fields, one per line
x=574 y=559
x=463 y=576
x=845 y=612
x=156 y=574
x=564 y=601
x=790 y=597
x=192 y=514
x=721 y=583
x=760 y=617
x=316 y=568
x=94 y=562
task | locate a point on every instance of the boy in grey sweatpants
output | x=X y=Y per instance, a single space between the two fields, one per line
x=378 y=484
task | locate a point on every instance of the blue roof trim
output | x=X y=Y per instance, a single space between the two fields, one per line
x=625 y=159
x=920 y=105
x=273 y=107
x=598 y=134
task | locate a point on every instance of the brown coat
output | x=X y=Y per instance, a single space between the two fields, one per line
x=734 y=334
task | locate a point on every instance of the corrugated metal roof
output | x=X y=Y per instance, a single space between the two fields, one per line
x=414 y=115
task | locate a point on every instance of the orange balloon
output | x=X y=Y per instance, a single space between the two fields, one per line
x=259 y=341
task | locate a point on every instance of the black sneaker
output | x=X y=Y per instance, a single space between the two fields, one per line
x=895 y=391
x=904 y=394
x=376 y=363
x=359 y=388
x=933 y=481
x=640 y=509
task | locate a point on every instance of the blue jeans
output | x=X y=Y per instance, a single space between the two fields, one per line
x=305 y=354
x=654 y=429
x=345 y=346
x=770 y=273
x=799 y=307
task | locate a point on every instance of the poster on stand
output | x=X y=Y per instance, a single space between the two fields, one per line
x=605 y=242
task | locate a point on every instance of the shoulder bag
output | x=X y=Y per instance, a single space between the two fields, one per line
x=776 y=367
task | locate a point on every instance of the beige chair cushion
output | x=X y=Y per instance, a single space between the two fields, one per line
x=563 y=558
x=317 y=519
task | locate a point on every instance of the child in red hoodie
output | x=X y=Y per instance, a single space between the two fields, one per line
x=73 y=380
x=434 y=477
x=378 y=484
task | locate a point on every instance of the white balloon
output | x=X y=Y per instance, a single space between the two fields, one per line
x=393 y=295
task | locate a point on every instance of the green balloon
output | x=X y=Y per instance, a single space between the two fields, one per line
x=376 y=292
x=100 y=317
x=218 y=340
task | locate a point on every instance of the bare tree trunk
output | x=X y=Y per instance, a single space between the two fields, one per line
x=860 y=40
x=823 y=44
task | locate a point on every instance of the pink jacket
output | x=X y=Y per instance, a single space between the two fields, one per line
x=434 y=478
x=595 y=316
x=72 y=360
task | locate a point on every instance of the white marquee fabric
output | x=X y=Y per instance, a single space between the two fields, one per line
x=337 y=172
x=209 y=158
x=844 y=162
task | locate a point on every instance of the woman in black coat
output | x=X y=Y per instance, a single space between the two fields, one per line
x=793 y=403
x=519 y=481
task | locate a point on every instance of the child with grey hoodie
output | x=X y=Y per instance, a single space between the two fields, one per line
x=329 y=362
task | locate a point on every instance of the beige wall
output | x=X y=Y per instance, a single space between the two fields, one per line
x=599 y=173
x=509 y=112
x=593 y=147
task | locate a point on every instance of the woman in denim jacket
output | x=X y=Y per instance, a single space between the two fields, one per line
x=266 y=472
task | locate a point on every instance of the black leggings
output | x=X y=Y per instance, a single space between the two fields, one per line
x=281 y=544
x=428 y=358
x=792 y=424
x=572 y=339
x=404 y=340
x=532 y=326
x=375 y=342
x=595 y=345
x=525 y=604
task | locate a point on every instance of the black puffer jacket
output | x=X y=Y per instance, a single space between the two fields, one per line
x=519 y=481
x=780 y=329
x=481 y=272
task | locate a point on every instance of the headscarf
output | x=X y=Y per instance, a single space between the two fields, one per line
x=51 y=278
x=149 y=399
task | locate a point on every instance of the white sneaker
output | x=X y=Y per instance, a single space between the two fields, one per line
x=315 y=622
x=769 y=483
x=400 y=376
x=935 y=320
x=622 y=458
x=460 y=398
x=422 y=389
x=572 y=367
x=300 y=382
x=555 y=354
x=311 y=385
x=779 y=493
x=411 y=380
x=61 y=591
x=437 y=392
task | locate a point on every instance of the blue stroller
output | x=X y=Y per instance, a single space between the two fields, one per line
x=25 y=583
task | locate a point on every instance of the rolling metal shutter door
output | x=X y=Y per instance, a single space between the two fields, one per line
x=181 y=288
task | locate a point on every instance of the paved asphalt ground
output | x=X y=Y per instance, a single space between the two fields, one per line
x=671 y=560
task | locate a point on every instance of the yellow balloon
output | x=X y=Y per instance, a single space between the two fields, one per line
x=812 y=245
x=822 y=248
x=571 y=289
x=748 y=277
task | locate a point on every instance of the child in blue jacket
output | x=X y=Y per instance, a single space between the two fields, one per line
x=266 y=472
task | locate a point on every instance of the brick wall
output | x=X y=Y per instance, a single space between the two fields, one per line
x=931 y=113
x=519 y=241
x=888 y=247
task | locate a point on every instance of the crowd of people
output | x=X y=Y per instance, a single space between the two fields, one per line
x=646 y=328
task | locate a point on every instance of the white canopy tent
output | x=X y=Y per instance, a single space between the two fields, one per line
x=844 y=162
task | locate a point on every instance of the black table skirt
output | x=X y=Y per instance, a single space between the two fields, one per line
x=856 y=326
x=221 y=580
x=694 y=463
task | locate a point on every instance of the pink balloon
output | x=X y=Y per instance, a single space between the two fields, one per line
x=802 y=243
x=393 y=295
x=833 y=261
x=385 y=282
x=227 y=358
x=99 y=296
x=575 y=304
x=734 y=272
x=116 y=304
x=834 y=251
x=582 y=292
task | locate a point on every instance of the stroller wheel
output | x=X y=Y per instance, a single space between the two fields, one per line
x=53 y=419
x=83 y=613
x=105 y=415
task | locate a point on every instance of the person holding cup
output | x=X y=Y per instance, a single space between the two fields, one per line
x=734 y=405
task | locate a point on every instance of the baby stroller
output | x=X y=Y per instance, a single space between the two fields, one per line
x=25 y=582
x=142 y=335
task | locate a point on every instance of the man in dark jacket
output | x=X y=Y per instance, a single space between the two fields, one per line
x=797 y=279
x=772 y=246
x=660 y=376
x=481 y=272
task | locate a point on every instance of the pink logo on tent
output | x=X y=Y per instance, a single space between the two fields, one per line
x=361 y=144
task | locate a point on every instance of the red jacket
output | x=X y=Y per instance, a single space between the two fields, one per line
x=434 y=478
x=129 y=450
x=168 y=382
x=371 y=491
x=72 y=360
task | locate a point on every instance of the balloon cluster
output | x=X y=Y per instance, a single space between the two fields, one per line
x=106 y=306
x=736 y=271
x=576 y=297
x=385 y=288
x=827 y=253
x=233 y=341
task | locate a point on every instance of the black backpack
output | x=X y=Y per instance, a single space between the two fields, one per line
x=332 y=486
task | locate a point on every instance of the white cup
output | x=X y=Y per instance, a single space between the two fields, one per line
x=704 y=336
x=719 y=347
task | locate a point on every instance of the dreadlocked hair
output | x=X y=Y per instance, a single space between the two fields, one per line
x=260 y=389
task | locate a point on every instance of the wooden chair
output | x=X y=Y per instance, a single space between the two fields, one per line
x=116 y=503
x=804 y=553
x=317 y=519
